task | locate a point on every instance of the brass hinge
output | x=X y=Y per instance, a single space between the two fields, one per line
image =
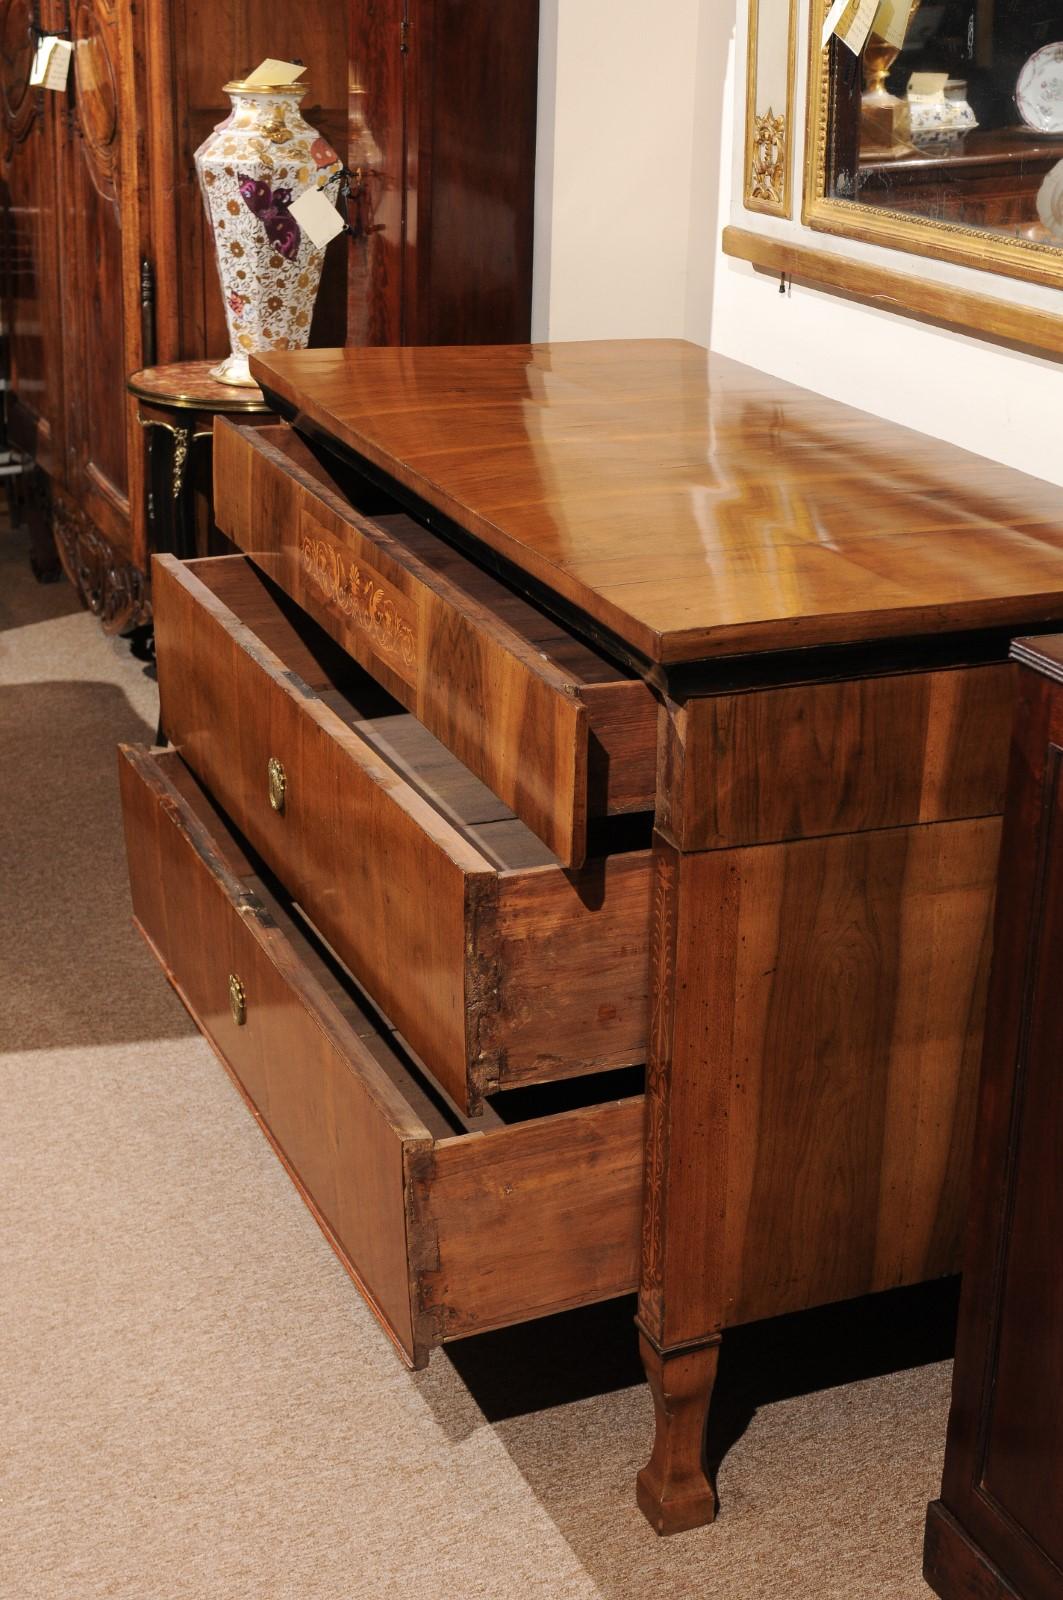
x=404 y=35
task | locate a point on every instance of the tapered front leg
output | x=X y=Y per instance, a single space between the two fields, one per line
x=680 y=1291
x=674 y=1491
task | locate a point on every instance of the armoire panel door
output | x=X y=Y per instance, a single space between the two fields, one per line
x=442 y=140
x=101 y=255
x=379 y=105
x=28 y=249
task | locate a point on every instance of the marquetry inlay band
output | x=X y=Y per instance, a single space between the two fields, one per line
x=359 y=594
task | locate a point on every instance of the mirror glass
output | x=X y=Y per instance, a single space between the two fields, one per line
x=952 y=113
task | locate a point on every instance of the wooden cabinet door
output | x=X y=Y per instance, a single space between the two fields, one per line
x=997 y=1531
x=99 y=183
x=28 y=249
x=442 y=142
x=382 y=181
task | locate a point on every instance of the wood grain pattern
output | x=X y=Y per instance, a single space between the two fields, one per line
x=825 y=758
x=446 y=1232
x=472 y=660
x=463 y=957
x=551 y=944
x=984 y=314
x=101 y=177
x=558 y=1198
x=32 y=211
x=953 y=1565
x=692 y=506
x=673 y=1490
x=996 y=1529
x=853 y=1025
x=814 y=1042
x=442 y=134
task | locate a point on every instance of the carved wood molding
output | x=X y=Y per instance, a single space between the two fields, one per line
x=93 y=28
x=22 y=104
x=109 y=586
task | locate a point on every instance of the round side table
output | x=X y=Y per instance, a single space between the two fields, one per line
x=176 y=407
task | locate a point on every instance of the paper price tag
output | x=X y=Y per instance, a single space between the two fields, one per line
x=317 y=216
x=275 y=72
x=927 y=85
x=854 y=29
x=51 y=63
x=892 y=19
x=832 y=19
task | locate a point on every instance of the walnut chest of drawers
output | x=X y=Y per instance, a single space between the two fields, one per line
x=579 y=830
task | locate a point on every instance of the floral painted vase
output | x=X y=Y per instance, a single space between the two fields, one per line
x=251 y=168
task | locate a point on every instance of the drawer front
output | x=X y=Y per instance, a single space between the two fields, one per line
x=793 y=763
x=472 y=660
x=486 y=973
x=446 y=1232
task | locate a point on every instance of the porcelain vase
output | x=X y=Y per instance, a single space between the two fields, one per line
x=251 y=168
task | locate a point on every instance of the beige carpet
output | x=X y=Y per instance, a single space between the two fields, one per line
x=196 y=1404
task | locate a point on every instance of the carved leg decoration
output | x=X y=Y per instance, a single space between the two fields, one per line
x=109 y=586
x=673 y=1491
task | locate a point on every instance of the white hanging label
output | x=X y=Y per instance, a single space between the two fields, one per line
x=51 y=63
x=317 y=216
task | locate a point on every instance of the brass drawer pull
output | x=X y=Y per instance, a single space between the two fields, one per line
x=278 y=784
x=237 y=1000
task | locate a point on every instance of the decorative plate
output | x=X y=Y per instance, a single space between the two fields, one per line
x=1039 y=90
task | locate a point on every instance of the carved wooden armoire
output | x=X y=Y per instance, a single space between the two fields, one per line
x=108 y=264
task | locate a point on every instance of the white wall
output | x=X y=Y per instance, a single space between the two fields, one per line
x=626 y=178
x=636 y=119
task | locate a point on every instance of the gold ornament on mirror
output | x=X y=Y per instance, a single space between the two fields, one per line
x=768 y=168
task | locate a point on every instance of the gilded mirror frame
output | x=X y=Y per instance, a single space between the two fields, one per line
x=945 y=241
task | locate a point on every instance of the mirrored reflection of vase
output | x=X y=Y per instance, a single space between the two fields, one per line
x=254 y=164
x=885 y=124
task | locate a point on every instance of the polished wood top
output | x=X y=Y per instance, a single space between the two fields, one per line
x=692 y=506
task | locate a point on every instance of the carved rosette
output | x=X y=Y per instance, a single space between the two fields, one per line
x=767 y=177
x=663 y=928
x=359 y=595
x=109 y=586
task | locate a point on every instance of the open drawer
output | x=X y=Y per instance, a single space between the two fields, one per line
x=554 y=728
x=498 y=967
x=448 y=1232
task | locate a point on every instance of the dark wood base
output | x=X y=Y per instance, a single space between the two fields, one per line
x=954 y=1567
x=673 y=1490
x=112 y=589
x=30 y=505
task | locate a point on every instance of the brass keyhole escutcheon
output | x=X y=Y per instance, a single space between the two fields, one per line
x=237 y=1000
x=278 y=784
